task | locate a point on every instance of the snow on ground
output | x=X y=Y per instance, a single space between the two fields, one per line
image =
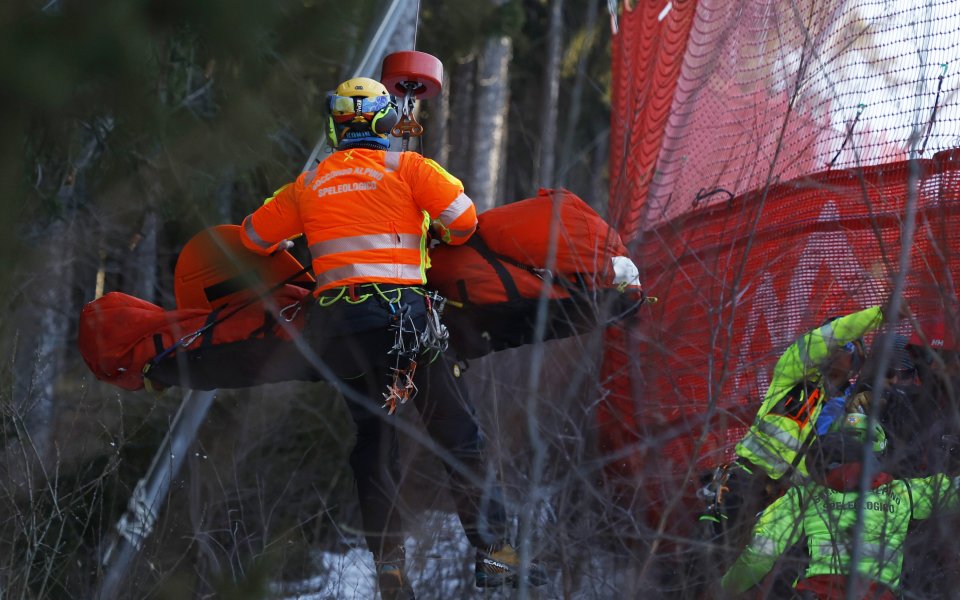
x=342 y=576
x=439 y=564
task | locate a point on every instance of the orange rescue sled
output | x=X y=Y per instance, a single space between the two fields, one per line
x=237 y=312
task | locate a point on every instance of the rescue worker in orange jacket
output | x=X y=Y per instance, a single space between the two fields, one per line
x=367 y=213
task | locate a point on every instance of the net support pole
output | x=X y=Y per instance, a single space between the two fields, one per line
x=137 y=522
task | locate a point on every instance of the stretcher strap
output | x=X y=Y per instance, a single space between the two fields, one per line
x=497 y=261
x=188 y=339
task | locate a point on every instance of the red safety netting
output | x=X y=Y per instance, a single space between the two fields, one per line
x=758 y=171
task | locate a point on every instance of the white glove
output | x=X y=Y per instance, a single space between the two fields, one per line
x=284 y=245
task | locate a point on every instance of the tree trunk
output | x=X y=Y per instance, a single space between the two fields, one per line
x=141 y=265
x=226 y=194
x=599 y=194
x=41 y=341
x=462 y=101
x=567 y=156
x=548 y=125
x=492 y=101
x=500 y=193
x=44 y=322
x=437 y=135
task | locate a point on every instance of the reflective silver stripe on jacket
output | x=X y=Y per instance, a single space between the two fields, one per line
x=462 y=232
x=391 y=160
x=253 y=235
x=765 y=455
x=883 y=555
x=460 y=205
x=370 y=271
x=373 y=241
x=784 y=437
x=828 y=338
x=829 y=549
x=876 y=552
x=764 y=545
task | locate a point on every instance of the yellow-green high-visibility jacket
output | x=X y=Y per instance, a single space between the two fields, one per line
x=793 y=401
x=827 y=517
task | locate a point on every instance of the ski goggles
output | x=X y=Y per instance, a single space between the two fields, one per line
x=855 y=349
x=902 y=375
x=344 y=109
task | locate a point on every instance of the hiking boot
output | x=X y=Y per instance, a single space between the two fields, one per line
x=500 y=564
x=392 y=579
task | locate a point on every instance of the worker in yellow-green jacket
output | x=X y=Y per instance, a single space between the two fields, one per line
x=816 y=368
x=830 y=509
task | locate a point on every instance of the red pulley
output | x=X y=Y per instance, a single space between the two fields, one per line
x=414 y=71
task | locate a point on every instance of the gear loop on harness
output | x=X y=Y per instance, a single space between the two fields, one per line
x=712 y=493
x=435 y=336
x=406 y=350
x=411 y=342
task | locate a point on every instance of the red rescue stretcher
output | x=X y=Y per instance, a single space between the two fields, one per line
x=239 y=314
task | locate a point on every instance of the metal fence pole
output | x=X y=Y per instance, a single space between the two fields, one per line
x=137 y=522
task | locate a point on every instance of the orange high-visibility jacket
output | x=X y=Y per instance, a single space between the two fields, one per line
x=365 y=214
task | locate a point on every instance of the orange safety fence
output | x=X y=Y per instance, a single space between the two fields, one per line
x=759 y=174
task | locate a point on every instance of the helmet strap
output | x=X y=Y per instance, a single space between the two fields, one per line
x=361 y=144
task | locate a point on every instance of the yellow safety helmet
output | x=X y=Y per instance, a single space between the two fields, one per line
x=360 y=112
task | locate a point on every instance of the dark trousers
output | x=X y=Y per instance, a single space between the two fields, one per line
x=746 y=490
x=448 y=415
x=361 y=362
x=750 y=491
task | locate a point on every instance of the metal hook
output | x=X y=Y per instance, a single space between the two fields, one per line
x=296 y=310
x=407 y=126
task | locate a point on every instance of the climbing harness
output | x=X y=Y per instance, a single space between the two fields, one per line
x=410 y=344
x=409 y=341
x=712 y=493
x=406 y=350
